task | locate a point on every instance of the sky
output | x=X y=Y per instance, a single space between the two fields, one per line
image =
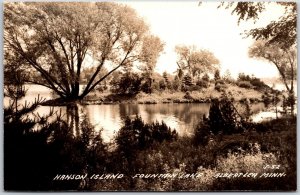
x=206 y=27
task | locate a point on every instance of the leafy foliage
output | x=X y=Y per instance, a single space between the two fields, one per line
x=253 y=81
x=245 y=84
x=186 y=82
x=217 y=75
x=282 y=32
x=136 y=135
x=285 y=61
x=129 y=84
x=196 y=62
x=224 y=118
x=58 y=40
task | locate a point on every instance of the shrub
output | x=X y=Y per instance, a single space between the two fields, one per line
x=246 y=161
x=267 y=98
x=194 y=88
x=220 y=81
x=251 y=161
x=217 y=75
x=147 y=86
x=187 y=82
x=258 y=83
x=203 y=133
x=188 y=95
x=245 y=84
x=205 y=77
x=162 y=85
x=136 y=135
x=243 y=77
x=223 y=117
x=176 y=83
x=129 y=84
x=255 y=82
x=220 y=87
x=202 y=83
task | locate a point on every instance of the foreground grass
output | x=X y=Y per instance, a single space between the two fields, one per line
x=251 y=152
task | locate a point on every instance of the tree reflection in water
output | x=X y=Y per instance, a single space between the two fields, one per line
x=73 y=119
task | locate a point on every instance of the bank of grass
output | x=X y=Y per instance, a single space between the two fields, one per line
x=169 y=96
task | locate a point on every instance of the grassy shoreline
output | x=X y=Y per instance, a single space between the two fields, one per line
x=165 y=97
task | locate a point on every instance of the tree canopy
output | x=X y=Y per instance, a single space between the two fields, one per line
x=283 y=32
x=285 y=60
x=58 y=40
x=196 y=61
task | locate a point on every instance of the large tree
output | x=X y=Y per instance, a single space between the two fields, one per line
x=151 y=49
x=285 y=60
x=57 y=40
x=195 y=61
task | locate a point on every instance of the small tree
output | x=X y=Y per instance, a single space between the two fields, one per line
x=162 y=85
x=167 y=81
x=187 y=82
x=217 y=75
x=227 y=76
x=176 y=83
x=223 y=117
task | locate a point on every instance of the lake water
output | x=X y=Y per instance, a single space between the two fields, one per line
x=109 y=118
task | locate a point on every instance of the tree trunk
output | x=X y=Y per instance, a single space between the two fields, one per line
x=75 y=92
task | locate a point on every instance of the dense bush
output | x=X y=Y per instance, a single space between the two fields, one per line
x=254 y=82
x=129 y=84
x=194 y=88
x=267 y=99
x=205 y=77
x=162 y=85
x=202 y=83
x=186 y=82
x=220 y=81
x=136 y=135
x=220 y=87
x=176 y=84
x=245 y=84
x=223 y=117
x=217 y=75
x=203 y=132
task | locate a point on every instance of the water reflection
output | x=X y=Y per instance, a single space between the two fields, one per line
x=73 y=119
x=109 y=118
x=106 y=118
